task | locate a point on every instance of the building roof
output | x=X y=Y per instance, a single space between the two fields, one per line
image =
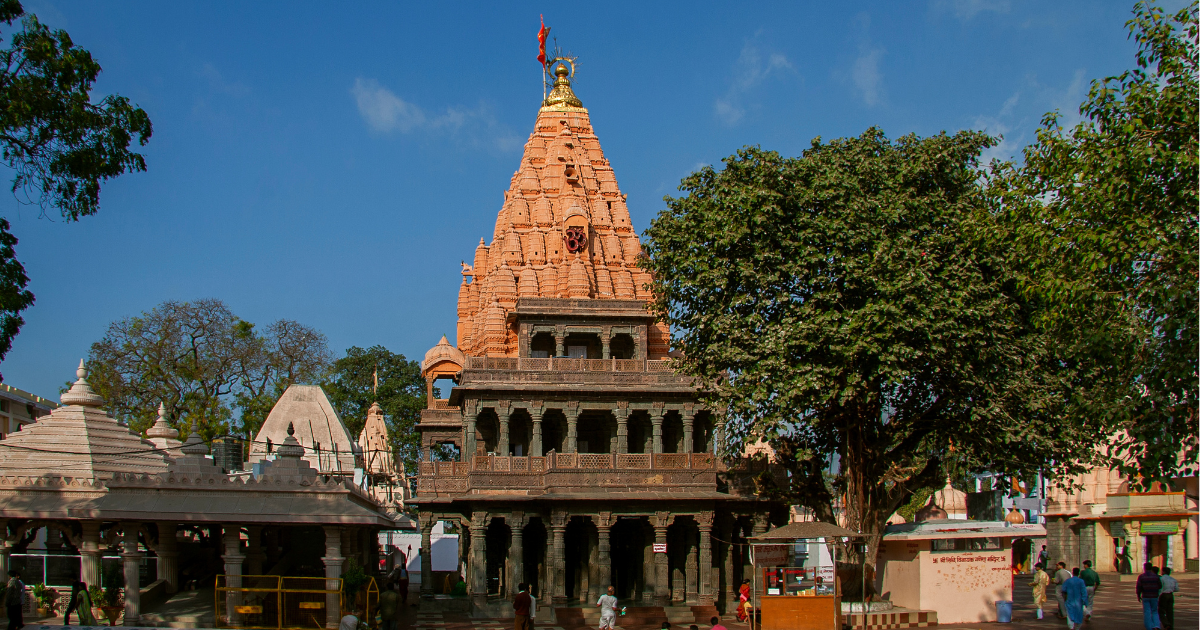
x=79 y=440
x=20 y=395
x=957 y=528
x=328 y=445
x=563 y=232
x=806 y=530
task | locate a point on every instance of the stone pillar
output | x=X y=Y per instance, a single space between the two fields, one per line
x=5 y=551
x=132 y=560
x=535 y=442
x=478 y=564
x=656 y=420
x=516 y=552
x=425 y=519
x=1176 y=551
x=572 y=412
x=604 y=523
x=719 y=438
x=704 y=521
x=231 y=536
x=726 y=587
x=560 y=349
x=689 y=418
x=168 y=556
x=606 y=345
x=333 y=560
x=254 y=550
x=89 y=550
x=471 y=417
x=503 y=413
x=648 y=571
x=558 y=525
x=662 y=593
x=691 y=565
x=622 y=414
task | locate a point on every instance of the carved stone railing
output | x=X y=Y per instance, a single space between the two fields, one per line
x=442 y=405
x=572 y=461
x=565 y=364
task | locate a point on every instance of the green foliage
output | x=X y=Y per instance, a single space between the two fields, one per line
x=46 y=597
x=203 y=363
x=14 y=298
x=353 y=579
x=112 y=576
x=96 y=593
x=1101 y=222
x=401 y=396
x=919 y=498
x=850 y=305
x=60 y=145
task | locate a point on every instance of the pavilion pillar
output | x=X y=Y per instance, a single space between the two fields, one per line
x=725 y=589
x=426 y=522
x=606 y=344
x=333 y=560
x=572 y=412
x=689 y=419
x=5 y=550
x=558 y=527
x=231 y=536
x=622 y=414
x=648 y=570
x=662 y=593
x=469 y=438
x=560 y=348
x=604 y=524
x=350 y=544
x=89 y=551
x=168 y=556
x=691 y=580
x=503 y=414
x=535 y=442
x=478 y=564
x=516 y=552
x=656 y=420
x=132 y=560
x=704 y=520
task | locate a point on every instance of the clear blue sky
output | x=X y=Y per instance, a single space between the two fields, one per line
x=332 y=163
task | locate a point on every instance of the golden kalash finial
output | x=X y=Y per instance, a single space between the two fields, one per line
x=561 y=95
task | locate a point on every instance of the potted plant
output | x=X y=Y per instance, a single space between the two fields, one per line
x=46 y=598
x=109 y=599
x=353 y=578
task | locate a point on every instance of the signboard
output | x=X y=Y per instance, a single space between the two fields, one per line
x=660 y=547
x=770 y=555
x=1160 y=527
x=1117 y=528
x=1028 y=504
x=312 y=605
x=248 y=610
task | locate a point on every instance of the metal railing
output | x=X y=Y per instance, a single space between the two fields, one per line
x=272 y=601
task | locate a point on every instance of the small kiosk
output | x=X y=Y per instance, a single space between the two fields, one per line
x=796 y=585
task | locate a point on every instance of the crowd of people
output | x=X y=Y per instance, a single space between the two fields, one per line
x=1075 y=592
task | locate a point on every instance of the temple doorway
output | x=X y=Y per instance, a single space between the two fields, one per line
x=498 y=540
x=581 y=559
x=628 y=538
x=534 y=548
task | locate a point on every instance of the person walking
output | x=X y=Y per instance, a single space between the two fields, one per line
x=14 y=598
x=80 y=604
x=521 y=608
x=1147 y=589
x=1040 y=581
x=608 y=609
x=1075 y=593
x=743 y=609
x=1044 y=557
x=1061 y=575
x=1166 y=599
x=389 y=602
x=1092 y=579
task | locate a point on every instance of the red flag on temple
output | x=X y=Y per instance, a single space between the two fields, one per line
x=542 y=34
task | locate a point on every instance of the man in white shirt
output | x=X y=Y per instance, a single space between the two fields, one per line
x=1060 y=576
x=1166 y=599
x=608 y=609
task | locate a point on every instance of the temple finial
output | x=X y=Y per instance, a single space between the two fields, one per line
x=562 y=95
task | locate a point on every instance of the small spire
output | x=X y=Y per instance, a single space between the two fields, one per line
x=81 y=393
x=194 y=446
x=290 y=448
x=161 y=428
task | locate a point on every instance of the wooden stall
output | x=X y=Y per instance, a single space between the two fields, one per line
x=795 y=589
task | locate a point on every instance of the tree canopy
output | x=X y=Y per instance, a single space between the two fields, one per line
x=849 y=305
x=204 y=363
x=1101 y=221
x=60 y=144
x=401 y=395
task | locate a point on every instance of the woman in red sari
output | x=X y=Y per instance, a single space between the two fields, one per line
x=743 y=609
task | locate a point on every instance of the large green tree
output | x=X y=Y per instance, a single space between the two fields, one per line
x=401 y=395
x=60 y=144
x=205 y=364
x=1101 y=220
x=849 y=307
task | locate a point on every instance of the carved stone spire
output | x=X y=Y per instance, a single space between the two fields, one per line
x=81 y=393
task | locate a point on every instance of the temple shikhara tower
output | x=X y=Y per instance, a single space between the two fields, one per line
x=569 y=453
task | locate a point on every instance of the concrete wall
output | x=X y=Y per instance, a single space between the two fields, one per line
x=899 y=576
x=964 y=586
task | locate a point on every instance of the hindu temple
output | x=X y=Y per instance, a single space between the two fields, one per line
x=569 y=453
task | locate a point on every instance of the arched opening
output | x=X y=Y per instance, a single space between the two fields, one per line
x=596 y=432
x=445 y=452
x=535 y=556
x=520 y=430
x=672 y=433
x=582 y=561
x=554 y=431
x=702 y=433
x=541 y=345
x=629 y=541
x=499 y=537
x=583 y=346
x=641 y=433
x=622 y=346
x=488 y=427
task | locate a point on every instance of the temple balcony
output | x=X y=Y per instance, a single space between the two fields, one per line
x=564 y=373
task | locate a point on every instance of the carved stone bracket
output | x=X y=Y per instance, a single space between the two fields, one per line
x=623 y=404
x=704 y=519
x=479 y=520
x=559 y=518
x=663 y=519
x=516 y=520
x=604 y=519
